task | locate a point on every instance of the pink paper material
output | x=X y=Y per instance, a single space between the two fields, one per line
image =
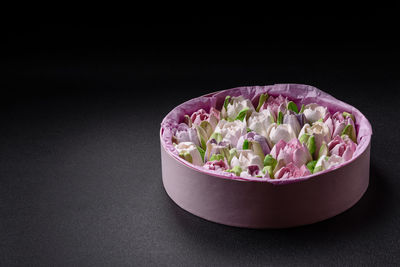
x=300 y=94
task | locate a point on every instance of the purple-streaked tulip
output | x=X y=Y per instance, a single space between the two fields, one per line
x=213 y=147
x=275 y=104
x=216 y=165
x=201 y=115
x=186 y=134
x=291 y=119
x=253 y=136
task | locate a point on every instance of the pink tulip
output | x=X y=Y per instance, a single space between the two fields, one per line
x=291 y=152
x=340 y=122
x=275 y=104
x=201 y=115
x=292 y=171
x=344 y=148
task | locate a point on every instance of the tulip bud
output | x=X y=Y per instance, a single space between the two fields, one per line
x=207 y=128
x=292 y=120
x=257 y=149
x=189 y=152
x=314 y=112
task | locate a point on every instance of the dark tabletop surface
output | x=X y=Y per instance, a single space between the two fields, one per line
x=80 y=170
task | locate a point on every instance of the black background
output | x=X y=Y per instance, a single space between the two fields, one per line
x=81 y=105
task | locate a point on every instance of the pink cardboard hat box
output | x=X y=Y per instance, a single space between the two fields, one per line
x=263 y=202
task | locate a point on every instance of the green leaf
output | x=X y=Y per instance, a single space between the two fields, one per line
x=216 y=157
x=349 y=130
x=202 y=152
x=323 y=151
x=202 y=135
x=242 y=114
x=226 y=102
x=269 y=170
x=249 y=130
x=304 y=138
x=236 y=170
x=270 y=161
x=186 y=156
x=280 y=118
x=311 y=165
x=292 y=106
x=245 y=144
x=207 y=128
x=346 y=114
x=261 y=101
x=302 y=108
x=311 y=144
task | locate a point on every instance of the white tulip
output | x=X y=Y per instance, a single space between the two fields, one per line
x=260 y=121
x=189 y=152
x=320 y=132
x=276 y=132
x=246 y=158
x=231 y=131
x=326 y=162
x=237 y=104
x=314 y=112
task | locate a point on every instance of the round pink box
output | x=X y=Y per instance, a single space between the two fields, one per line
x=265 y=203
